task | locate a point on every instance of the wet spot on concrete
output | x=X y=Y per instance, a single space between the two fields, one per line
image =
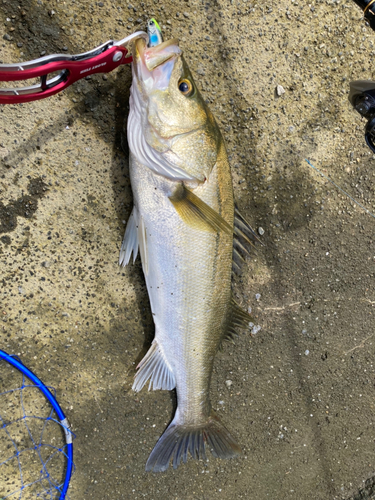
x=25 y=206
x=5 y=240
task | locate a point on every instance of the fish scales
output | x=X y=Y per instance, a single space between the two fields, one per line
x=189 y=288
x=182 y=223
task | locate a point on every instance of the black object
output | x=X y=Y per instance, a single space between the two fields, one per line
x=368 y=7
x=362 y=98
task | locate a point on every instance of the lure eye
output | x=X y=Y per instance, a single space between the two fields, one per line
x=185 y=87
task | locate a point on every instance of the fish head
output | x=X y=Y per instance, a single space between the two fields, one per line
x=176 y=124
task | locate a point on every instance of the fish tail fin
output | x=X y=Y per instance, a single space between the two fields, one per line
x=179 y=439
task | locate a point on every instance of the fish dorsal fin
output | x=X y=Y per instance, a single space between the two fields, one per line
x=130 y=242
x=238 y=319
x=154 y=367
x=196 y=213
x=243 y=228
x=243 y=239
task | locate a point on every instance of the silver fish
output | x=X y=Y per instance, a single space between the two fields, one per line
x=182 y=222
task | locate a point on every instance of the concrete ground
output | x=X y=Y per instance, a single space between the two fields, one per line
x=301 y=400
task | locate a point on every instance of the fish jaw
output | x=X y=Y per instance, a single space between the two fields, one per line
x=154 y=65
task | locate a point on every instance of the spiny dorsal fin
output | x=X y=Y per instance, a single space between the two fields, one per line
x=238 y=319
x=197 y=213
x=243 y=227
x=244 y=238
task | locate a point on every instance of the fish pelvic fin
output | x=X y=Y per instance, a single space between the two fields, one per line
x=179 y=440
x=154 y=367
x=238 y=319
x=134 y=239
x=243 y=240
x=196 y=213
x=130 y=242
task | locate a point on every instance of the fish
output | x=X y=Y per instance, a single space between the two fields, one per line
x=186 y=227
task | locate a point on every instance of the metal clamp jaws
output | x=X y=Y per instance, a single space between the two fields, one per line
x=70 y=68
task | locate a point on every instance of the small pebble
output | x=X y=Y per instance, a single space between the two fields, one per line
x=256 y=329
x=261 y=231
x=280 y=90
x=228 y=383
x=307 y=352
x=257 y=296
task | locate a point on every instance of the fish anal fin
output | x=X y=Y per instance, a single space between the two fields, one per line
x=179 y=439
x=196 y=213
x=154 y=367
x=129 y=244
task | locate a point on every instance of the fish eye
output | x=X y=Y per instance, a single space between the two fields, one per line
x=185 y=87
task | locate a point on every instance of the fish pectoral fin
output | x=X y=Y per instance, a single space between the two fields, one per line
x=179 y=439
x=196 y=213
x=154 y=367
x=130 y=241
x=238 y=319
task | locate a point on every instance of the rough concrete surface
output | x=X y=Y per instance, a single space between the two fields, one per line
x=301 y=400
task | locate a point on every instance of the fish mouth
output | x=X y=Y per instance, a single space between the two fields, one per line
x=153 y=65
x=152 y=57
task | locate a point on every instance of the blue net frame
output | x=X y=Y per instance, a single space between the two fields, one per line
x=55 y=489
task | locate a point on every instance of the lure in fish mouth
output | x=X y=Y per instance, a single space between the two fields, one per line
x=154 y=33
x=182 y=223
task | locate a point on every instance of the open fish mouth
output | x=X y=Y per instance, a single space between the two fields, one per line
x=153 y=65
